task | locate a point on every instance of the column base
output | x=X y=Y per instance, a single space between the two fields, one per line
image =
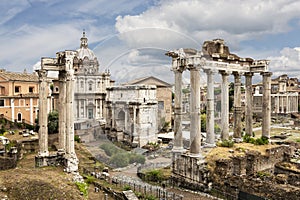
x=209 y=145
x=196 y=155
x=71 y=163
x=237 y=140
x=178 y=150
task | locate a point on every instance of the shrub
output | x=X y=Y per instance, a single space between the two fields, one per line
x=77 y=138
x=83 y=187
x=259 y=141
x=110 y=149
x=119 y=160
x=154 y=175
x=226 y=143
x=136 y=158
x=127 y=187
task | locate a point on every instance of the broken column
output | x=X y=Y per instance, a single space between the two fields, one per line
x=248 y=104
x=43 y=114
x=195 y=129
x=210 y=111
x=266 y=104
x=237 y=132
x=224 y=106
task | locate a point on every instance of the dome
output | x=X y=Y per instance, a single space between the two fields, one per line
x=84 y=51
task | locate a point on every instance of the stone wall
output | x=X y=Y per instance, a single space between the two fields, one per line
x=191 y=172
x=7 y=162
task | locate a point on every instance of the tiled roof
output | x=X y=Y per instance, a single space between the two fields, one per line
x=15 y=76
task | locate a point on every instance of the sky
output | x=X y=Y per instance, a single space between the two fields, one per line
x=131 y=37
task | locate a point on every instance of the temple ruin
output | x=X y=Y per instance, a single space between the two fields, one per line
x=63 y=63
x=214 y=58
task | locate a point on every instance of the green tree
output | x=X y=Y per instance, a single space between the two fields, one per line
x=53 y=122
x=203 y=122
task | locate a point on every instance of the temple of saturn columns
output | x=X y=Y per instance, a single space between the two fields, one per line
x=63 y=63
x=215 y=57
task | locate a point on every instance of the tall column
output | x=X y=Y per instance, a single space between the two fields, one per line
x=266 y=104
x=237 y=132
x=43 y=114
x=69 y=114
x=248 y=104
x=287 y=104
x=178 y=143
x=224 y=106
x=210 y=111
x=195 y=129
x=62 y=111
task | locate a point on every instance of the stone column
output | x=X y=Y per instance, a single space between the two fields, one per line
x=69 y=114
x=248 y=104
x=195 y=129
x=210 y=111
x=62 y=111
x=43 y=114
x=178 y=143
x=237 y=132
x=266 y=104
x=224 y=106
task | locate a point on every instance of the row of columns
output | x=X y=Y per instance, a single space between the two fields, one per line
x=195 y=129
x=66 y=116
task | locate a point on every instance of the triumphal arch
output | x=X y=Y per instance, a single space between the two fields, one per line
x=63 y=64
x=214 y=58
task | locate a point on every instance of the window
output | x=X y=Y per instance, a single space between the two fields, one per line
x=31 y=89
x=19 y=117
x=81 y=84
x=1 y=102
x=17 y=89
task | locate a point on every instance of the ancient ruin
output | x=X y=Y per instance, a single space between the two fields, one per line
x=63 y=63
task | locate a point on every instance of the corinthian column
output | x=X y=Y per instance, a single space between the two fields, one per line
x=43 y=114
x=224 y=106
x=248 y=103
x=237 y=134
x=178 y=143
x=62 y=111
x=266 y=104
x=195 y=132
x=69 y=112
x=210 y=112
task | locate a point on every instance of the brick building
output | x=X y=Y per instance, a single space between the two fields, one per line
x=19 y=96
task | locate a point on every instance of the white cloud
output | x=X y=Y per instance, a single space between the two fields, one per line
x=288 y=62
x=233 y=20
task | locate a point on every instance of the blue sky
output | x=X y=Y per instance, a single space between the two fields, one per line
x=130 y=37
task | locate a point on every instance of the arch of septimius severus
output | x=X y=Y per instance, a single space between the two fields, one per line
x=215 y=57
x=63 y=63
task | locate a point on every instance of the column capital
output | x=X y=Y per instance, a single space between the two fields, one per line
x=70 y=76
x=210 y=71
x=266 y=73
x=62 y=76
x=194 y=67
x=42 y=74
x=248 y=74
x=179 y=69
x=224 y=73
x=236 y=73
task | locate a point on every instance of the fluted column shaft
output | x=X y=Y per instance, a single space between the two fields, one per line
x=69 y=114
x=266 y=104
x=62 y=111
x=237 y=132
x=195 y=132
x=43 y=114
x=224 y=106
x=248 y=104
x=210 y=111
x=178 y=143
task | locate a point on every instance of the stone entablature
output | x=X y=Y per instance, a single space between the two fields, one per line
x=132 y=115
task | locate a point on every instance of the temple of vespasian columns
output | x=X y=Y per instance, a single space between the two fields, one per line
x=63 y=63
x=215 y=57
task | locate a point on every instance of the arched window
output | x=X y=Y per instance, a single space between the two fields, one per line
x=19 y=117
